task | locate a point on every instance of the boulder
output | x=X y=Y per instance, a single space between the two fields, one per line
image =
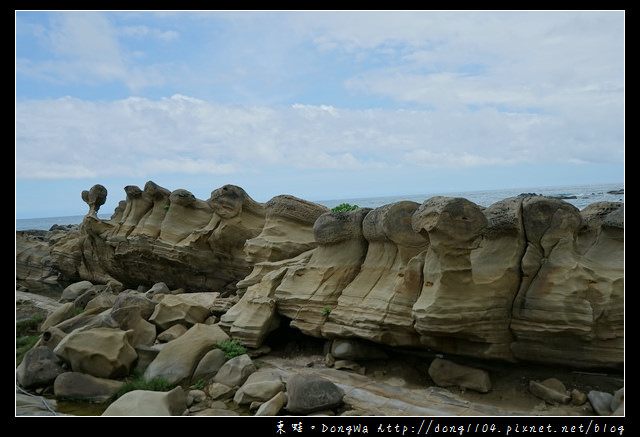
x=133 y=298
x=73 y=291
x=273 y=406
x=260 y=391
x=146 y=354
x=51 y=337
x=550 y=390
x=129 y=319
x=148 y=403
x=84 y=387
x=187 y=309
x=40 y=367
x=219 y=391
x=617 y=403
x=171 y=333
x=102 y=301
x=64 y=312
x=601 y=402
x=101 y=352
x=235 y=371
x=179 y=358
x=310 y=393
x=209 y=365
x=445 y=373
x=157 y=289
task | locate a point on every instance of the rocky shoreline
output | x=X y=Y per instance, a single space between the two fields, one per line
x=444 y=308
x=395 y=386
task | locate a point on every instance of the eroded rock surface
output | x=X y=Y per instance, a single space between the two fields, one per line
x=529 y=278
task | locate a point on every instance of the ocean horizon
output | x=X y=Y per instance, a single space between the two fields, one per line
x=580 y=196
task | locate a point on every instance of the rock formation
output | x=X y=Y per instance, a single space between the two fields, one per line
x=529 y=278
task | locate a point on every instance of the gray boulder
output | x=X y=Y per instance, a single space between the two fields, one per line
x=310 y=393
x=40 y=367
x=446 y=373
x=550 y=390
x=81 y=386
x=132 y=298
x=601 y=402
x=209 y=365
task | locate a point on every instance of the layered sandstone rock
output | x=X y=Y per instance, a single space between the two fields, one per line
x=162 y=236
x=377 y=304
x=471 y=274
x=286 y=239
x=34 y=265
x=308 y=293
x=569 y=308
x=287 y=232
x=529 y=278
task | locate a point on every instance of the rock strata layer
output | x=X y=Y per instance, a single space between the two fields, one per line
x=529 y=278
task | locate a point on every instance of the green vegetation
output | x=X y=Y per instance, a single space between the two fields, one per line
x=200 y=384
x=326 y=311
x=137 y=382
x=232 y=348
x=24 y=345
x=29 y=326
x=166 y=207
x=344 y=207
x=27 y=335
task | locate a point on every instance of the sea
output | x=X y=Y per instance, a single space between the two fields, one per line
x=580 y=196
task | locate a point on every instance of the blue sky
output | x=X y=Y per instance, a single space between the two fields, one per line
x=316 y=104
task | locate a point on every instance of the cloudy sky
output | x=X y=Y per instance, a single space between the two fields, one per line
x=320 y=105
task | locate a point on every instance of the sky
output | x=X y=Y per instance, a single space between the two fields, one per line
x=315 y=104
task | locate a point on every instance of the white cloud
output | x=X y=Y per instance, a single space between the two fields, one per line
x=181 y=133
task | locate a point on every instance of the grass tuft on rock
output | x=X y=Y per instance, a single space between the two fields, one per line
x=138 y=382
x=344 y=207
x=27 y=335
x=232 y=348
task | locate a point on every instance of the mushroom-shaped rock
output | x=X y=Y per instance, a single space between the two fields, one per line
x=309 y=291
x=95 y=198
x=377 y=304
